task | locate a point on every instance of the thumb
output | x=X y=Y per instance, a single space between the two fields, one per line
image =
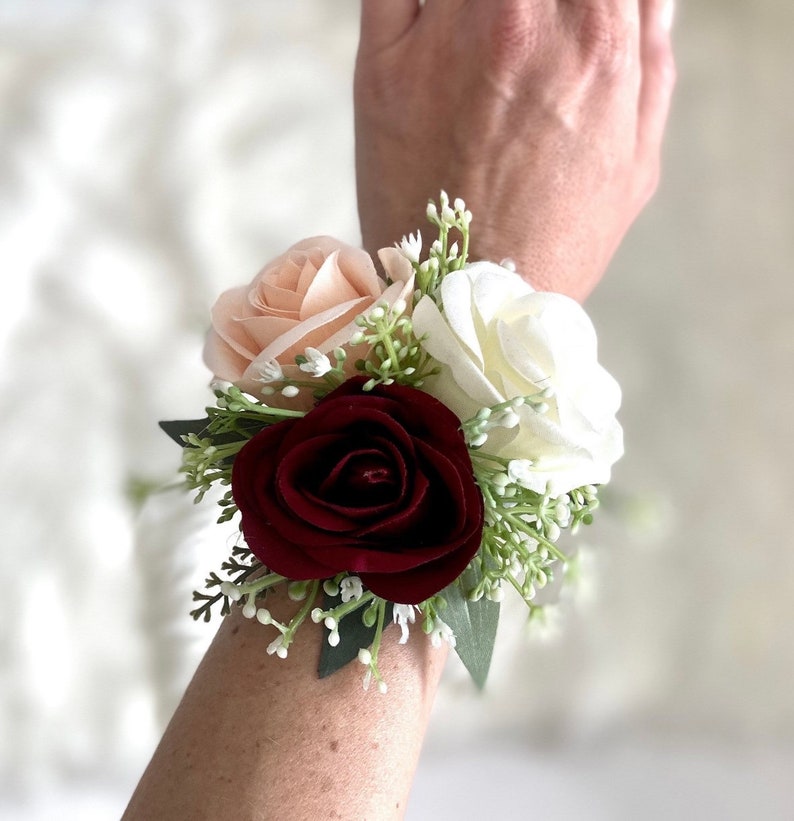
x=383 y=22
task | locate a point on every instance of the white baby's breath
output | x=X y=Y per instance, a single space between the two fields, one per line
x=404 y=614
x=442 y=632
x=411 y=246
x=351 y=588
x=269 y=371
x=317 y=364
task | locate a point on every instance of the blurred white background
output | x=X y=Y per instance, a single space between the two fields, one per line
x=154 y=153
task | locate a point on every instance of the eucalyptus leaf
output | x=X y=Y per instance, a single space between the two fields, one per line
x=353 y=635
x=474 y=625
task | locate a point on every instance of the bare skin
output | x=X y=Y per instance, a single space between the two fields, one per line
x=258 y=737
x=547 y=117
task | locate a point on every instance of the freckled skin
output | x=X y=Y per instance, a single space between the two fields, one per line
x=254 y=720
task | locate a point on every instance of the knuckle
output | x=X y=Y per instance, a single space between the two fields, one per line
x=605 y=41
x=514 y=37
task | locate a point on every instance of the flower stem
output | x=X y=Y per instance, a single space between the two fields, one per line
x=378 y=633
x=350 y=607
x=300 y=616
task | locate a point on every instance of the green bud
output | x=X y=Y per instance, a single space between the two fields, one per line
x=369 y=616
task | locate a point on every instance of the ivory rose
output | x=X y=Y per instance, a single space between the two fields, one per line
x=498 y=338
x=308 y=297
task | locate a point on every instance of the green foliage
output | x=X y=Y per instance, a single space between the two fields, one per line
x=240 y=566
x=354 y=635
x=474 y=624
x=522 y=526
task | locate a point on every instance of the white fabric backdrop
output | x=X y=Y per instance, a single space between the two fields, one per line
x=152 y=154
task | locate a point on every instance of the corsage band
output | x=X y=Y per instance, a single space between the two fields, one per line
x=398 y=448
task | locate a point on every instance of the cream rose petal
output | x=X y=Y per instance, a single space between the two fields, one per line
x=563 y=338
x=526 y=341
x=456 y=295
x=520 y=346
x=443 y=345
x=494 y=289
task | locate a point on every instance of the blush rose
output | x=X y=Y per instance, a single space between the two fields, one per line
x=498 y=338
x=379 y=484
x=308 y=297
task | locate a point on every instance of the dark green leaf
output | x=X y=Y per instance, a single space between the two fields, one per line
x=474 y=625
x=178 y=428
x=353 y=635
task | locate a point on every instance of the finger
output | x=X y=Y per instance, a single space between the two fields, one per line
x=624 y=9
x=606 y=33
x=658 y=74
x=385 y=21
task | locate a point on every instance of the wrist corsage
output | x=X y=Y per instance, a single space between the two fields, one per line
x=398 y=450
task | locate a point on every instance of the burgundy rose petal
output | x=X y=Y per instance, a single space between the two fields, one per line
x=377 y=483
x=300 y=470
x=252 y=474
x=414 y=585
x=334 y=485
x=361 y=412
x=419 y=583
x=372 y=476
x=415 y=512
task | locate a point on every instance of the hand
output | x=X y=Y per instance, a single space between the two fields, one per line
x=545 y=116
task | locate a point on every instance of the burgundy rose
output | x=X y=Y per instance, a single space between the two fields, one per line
x=377 y=483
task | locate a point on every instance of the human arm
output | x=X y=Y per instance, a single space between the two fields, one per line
x=545 y=117
x=259 y=737
x=325 y=747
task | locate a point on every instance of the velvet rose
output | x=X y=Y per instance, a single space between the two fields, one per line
x=308 y=297
x=499 y=338
x=378 y=484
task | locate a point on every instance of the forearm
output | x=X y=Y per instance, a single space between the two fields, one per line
x=259 y=737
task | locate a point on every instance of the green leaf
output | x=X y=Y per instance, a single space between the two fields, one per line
x=353 y=635
x=179 y=427
x=474 y=625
